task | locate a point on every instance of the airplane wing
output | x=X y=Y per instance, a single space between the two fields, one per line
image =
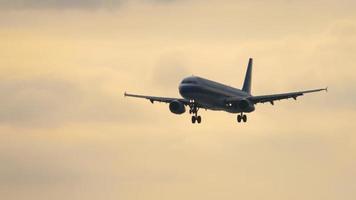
x=274 y=97
x=158 y=99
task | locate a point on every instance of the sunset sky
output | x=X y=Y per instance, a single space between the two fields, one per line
x=67 y=132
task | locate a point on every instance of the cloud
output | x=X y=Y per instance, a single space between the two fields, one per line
x=58 y=4
x=69 y=4
x=171 y=68
x=52 y=102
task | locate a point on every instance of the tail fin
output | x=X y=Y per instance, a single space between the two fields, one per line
x=248 y=78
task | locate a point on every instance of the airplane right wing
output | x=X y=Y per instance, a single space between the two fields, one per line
x=158 y=99
x=274 y=97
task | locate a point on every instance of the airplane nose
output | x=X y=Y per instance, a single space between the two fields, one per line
x=187 y=89
x=181 y=88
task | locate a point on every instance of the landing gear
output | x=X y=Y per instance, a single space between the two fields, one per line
x=195 y=118
x=199 y=119
x=241 y=117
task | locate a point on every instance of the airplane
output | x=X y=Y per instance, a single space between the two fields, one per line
x=200 y=93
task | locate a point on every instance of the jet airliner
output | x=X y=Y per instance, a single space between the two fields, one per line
x=200 y=93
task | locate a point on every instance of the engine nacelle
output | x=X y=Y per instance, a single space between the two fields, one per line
x=245 y=105
x=177 y=107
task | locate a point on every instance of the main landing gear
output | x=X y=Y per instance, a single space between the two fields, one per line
x=195 y=118
x=241 y=117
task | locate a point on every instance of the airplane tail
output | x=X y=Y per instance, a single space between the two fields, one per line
x=248 y=78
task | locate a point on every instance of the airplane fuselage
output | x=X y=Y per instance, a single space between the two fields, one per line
x=210 y=94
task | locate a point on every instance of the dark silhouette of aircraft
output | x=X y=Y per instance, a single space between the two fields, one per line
x=202 y=93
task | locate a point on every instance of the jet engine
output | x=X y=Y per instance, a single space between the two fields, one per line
x=177 y=107
x=245 y=105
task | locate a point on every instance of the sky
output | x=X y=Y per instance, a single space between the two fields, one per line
x=67 y=132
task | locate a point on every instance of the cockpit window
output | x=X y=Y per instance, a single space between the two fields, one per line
x=189 y=81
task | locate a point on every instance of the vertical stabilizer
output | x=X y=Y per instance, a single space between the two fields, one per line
x=248 y=78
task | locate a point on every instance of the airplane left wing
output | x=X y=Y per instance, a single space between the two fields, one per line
x=274 y=97
x=158 y=99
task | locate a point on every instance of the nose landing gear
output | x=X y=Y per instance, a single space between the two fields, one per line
x=241 y=117
x=195 y=118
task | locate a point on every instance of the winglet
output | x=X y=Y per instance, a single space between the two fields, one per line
x=125 y=94
x=326 y=89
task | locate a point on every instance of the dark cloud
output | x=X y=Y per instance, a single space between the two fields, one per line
x=52 y=102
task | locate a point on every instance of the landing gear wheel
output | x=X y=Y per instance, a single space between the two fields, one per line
x=193 y=119
x=198 y=119
x=244 y=118
x=238 y=118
